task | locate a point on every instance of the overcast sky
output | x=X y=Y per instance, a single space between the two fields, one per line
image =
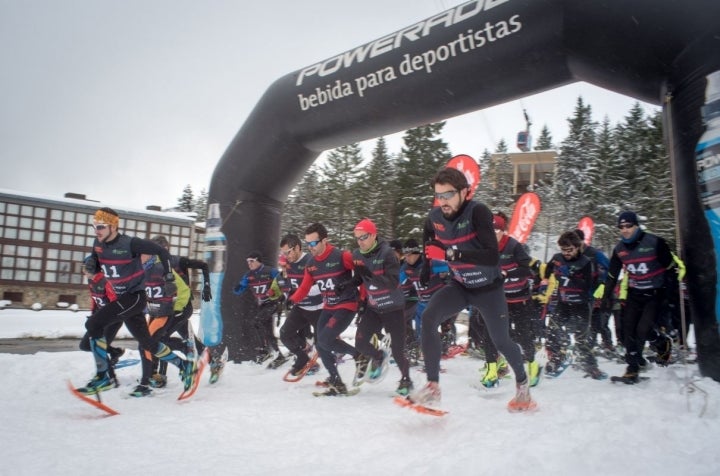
x=129 y=101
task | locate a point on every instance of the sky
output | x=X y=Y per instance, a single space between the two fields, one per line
x=252 y=423
x=129 y=102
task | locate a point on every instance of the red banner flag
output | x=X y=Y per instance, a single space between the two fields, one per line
x=587 y=225
x=526 y=212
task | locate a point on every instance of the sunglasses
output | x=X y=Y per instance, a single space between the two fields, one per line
x=363 y=237
x=312 y=244
x=411 y=251
x=625 y=226
x=251 y=260
x=445 y=195
x=568 y=250
x=100 y=227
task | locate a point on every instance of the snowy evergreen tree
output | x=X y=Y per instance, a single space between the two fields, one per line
x=544 y=142
x=305 y=205
x=342 y=183
x=578 y=153
x=200 y=206
x=380 y=190
x=186 y=202
x=499 y=180
x=423 y=153
x=607 y=178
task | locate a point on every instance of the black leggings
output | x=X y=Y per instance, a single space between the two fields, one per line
x=453 y=298
x=372 y=322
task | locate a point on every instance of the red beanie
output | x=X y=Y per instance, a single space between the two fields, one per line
x=367 y=226
x=499 y=222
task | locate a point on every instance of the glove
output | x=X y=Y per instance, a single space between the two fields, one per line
x=342 y=286
x=435 y=250
x=170 y=286
x=606 y=304
x=362 y=307
x=97 y=283
x=91 y=264
x=425 y=273
x=206 y=292
x=363 y=272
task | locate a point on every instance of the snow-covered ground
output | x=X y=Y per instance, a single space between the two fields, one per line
x=253 y=423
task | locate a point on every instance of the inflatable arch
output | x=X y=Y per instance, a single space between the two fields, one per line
x=476 y=55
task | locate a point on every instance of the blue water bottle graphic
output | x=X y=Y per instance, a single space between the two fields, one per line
x=211 y=323
x=707 y=156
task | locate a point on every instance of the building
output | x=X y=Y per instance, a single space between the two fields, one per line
x=44 y=240
x=529 y=168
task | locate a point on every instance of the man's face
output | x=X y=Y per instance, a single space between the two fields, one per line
x=569 y=252
x=364 y=240
x=449 y=198
x=292 y=254
x=253 y=263
x=412 y=258
x=103 y=231
x=315 y=244
x=627 y=229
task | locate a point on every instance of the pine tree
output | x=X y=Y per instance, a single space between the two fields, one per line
x=343 y=192
x=544 y=142
x=380 y=190
x=305 y=204
x=499 y=181
x=577 y=153
x=200 y=205
x=607 y=178
x=185 y=202
x=423 y=154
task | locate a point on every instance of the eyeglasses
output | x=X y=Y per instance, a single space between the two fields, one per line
x=286 y=252
x=625 y=226
x=312 y=244
x=363 y=237
x=445 y=195
x=100 y=227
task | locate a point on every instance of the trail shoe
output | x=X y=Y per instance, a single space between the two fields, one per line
x=100 y=382
x=663 y=347
x=336 y=387
x=490 y=378
x=361 y=367
x=429 y=396
x=377 y=368
x=405 y=387
x=533 y=373
x=314 y=369
x=115 y=353
x=502 y=367
x=279 y=360
x=522 y=401
x=188 y=371
x=158 y=380
x=141 y=391
x=264 y=356
x=630 y=376
x=595 y=373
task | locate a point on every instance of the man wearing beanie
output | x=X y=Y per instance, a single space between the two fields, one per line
x=646 y=258
x=262 y=283
x=378 y=270
x=460 y=231
x=119 y=257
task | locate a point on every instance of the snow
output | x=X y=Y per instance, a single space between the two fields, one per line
x=253 y=423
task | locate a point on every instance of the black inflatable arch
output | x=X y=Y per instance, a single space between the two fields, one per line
x=473 y=56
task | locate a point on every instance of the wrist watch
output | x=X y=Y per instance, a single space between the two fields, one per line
x=450 y=254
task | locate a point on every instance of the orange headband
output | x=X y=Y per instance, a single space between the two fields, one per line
x=102 y=216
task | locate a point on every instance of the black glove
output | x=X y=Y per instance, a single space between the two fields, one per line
x=425 y=273
x=206 y=292
x=170 y=288
x=363 y=272
x=362 y=307
x=91 y=264
x=342 y=286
